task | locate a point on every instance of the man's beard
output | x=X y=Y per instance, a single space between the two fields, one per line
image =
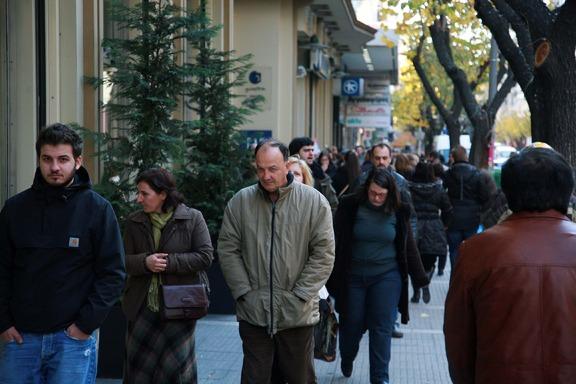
x=66 y=183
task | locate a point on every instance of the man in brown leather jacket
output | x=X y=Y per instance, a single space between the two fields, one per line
x=511 y=308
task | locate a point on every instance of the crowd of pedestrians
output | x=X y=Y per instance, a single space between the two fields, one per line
x=353 y=229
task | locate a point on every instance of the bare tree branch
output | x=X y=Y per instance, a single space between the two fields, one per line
x=499 y=27
x=481 y=71
x=443 y=51
x=537 y=15
x=501 y=95
x=565 y=22
x=430 y=91
x=520 y=27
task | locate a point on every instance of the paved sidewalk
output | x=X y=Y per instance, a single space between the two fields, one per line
x=418 y=358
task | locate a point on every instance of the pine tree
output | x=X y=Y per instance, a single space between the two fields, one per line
x=218 y=163
x=147 y=83
x=206 y=154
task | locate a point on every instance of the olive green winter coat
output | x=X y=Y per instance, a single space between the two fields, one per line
x=276 y=256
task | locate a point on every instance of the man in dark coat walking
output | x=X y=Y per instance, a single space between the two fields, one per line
x=468 y=190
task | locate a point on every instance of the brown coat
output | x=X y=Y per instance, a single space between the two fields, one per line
x=186 y=240
x=511 y=307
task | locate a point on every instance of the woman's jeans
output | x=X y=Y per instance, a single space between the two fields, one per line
x=372 y=303
x=49 y=359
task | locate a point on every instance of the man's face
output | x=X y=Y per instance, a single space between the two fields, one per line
x=57 y=164
x=271 y=168
x=381 y=157
x=306 y=153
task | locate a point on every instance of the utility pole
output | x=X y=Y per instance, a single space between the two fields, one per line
x=492 y=89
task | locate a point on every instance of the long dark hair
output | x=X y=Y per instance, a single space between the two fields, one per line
x=352 y=166
x=384 y=179
x=424 y=173
x=160 y=180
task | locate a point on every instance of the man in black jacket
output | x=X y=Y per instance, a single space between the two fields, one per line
x=304 y=148
x=468 y=190
x=61 y=268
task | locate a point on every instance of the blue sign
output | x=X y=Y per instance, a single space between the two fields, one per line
x=255 y=77
x=352 y=86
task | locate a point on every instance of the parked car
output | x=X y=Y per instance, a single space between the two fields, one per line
x=502 y=153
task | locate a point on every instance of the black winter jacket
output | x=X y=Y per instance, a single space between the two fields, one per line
x=468 y=190
x=429 y=199
x=407 y=256
x=61 y=258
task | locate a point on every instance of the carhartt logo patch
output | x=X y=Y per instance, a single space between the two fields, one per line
x=74 y=242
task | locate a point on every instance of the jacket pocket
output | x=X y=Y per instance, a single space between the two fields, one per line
x=295 y=312
x=253 y=307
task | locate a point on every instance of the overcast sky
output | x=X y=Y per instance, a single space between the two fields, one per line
x=367 y=12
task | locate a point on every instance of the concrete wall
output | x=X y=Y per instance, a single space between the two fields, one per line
x=18 y=94
x=266 y=29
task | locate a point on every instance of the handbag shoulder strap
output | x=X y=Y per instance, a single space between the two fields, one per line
x=343 y=190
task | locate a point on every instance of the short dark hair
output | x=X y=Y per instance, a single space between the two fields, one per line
x=438 y=170
x=383 y=178
x=297 y=143
x=273 y=144
x=435 y=155
x=459 y=153
x=57 y=134
x=382 y=145
x=424 y=172
x=160 y=180
x=536 y=180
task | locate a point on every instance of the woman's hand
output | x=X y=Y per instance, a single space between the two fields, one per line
x=157 y=262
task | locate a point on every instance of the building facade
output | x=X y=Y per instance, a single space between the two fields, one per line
x=49 y=47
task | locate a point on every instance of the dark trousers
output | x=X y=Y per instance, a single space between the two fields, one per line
x=428 y=261
x=455 y=238
x=442 y=262
x=287 y=355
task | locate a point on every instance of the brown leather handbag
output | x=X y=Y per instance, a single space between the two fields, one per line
x=183 y=302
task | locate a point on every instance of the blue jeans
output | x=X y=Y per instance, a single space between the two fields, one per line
x=455 y=238
x=372 y=303
x=52 y=358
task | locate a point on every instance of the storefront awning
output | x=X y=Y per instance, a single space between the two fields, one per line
x=379 y=58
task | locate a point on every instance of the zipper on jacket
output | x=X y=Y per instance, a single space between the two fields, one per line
x=271 y=283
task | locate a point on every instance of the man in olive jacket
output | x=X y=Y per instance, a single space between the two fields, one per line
x=276 y=250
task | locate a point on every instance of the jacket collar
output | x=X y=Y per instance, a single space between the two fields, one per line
x=180 y=213
x=282 y=191
x=45 y=191
x=549 y=214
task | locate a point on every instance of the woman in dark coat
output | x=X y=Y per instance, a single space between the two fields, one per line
x=434 y=210
x=375 y=253
x=346 y=174
x=166 y=243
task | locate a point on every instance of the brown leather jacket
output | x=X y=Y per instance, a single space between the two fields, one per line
x=511 y=308
x=186 y=240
